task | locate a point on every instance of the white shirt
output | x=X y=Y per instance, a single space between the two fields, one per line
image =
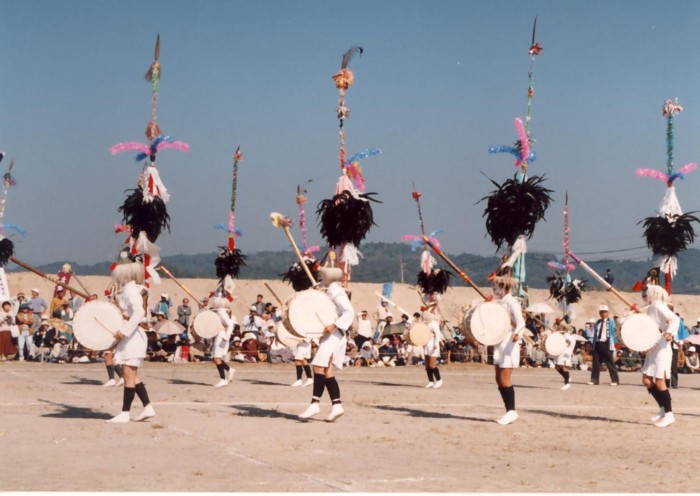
x=364 y=328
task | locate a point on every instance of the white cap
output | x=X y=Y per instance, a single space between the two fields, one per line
x=692 y=348
x=253 y=308
x=164 y=295
x=603 y=308
x=35 y=290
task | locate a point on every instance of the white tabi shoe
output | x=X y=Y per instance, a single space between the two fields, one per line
x=430 y=384
x=667 y=420
x=438 y=384
x=313 y=409
x=308 y=382
x=659 y=415
x=566 y=386
x=122 y=418
x=296 y=383
x=120 y=383
x=231 y=372
x=147 y=413
x=109 y=383
x=336 y=412
x=221 y=383
x=510 y=417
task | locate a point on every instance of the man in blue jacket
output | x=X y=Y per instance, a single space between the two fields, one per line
x=603 y=344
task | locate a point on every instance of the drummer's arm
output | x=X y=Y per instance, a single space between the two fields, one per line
x=517 y=319
x=138 y=314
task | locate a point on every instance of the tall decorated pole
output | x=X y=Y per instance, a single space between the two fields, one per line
x=671 y=231
x=230 y=259
x=7 y=247
x=144 y=212
x=346 y=218
x=516 y=205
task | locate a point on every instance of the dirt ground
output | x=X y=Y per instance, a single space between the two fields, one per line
x=395 y=435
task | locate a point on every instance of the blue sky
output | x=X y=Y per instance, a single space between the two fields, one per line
x=439 y=83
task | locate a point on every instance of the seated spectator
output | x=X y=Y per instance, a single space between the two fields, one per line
x=629 y=361
x=59 y=352
x=538 y=357
x=350 y=353
x=692 y=363
x=387 y=353
x=368 y=354
x=249 y=347
x=458 y=353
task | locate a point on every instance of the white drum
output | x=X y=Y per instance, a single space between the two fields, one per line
x=207 y=324
x=285 y=337
x=488 y=323
x=555 y=344
x=307 y=313
x=95 y=323
x=419 y=334
x=639 y=332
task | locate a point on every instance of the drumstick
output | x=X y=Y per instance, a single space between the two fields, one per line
x=449 y=262
x=274 y=294
x=602 y=281
x=104 y=326
x=279 y=220
x=160 y=267
x=320 y=319
x=46 y=276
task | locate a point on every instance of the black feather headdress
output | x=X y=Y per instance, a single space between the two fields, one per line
x=436 y=282
x=229 y=262
x=514 y=208
x=346 y=218
x=150 y=217
x=568 y=292
x=297 y=276
x=7 y=251
x=666 y=237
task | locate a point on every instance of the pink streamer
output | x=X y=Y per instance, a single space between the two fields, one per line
x=654 y=174
x=354 y=169
x=177 y=145
x=414 y=238
x=343 y=184
x=129 y=146
x=120 y=228
x=687 y=168
x=524 y=142
x=230 y=221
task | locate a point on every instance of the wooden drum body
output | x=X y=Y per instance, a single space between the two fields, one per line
x=419 y=334
x=307 y=313
x=488 y=323
x=95 y=323
x=207 y=324
x=555 y=344
x=639 y=332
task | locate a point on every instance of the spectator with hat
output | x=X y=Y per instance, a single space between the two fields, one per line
x=603 y=345
x=253 y=323
x=163 y=306
x=7 y=347
x=696 y=327
x=692 y=363
x=364 y=329
x=37 y=304
x=25 y=322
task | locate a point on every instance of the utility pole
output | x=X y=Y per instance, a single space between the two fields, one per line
x=402 y=266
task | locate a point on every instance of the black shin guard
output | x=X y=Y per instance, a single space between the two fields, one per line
x=566 y=377
x=225 y=366
x=118 y=370
x=300 y=369
x=307 y=371
x=319 y=386
x=221 y=370
x=502 y=390
x=429 y=371
x=654 y=391
x=129 y=394
x=142 y=393
x=110 y=372
x=333 y=389
x=509 y=398
x=561 y=373
x=665 y=397
x=436 y=374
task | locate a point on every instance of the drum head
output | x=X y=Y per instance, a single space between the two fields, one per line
x=488 y=323
x=555 y=344
x=285 y=337
x=419 y=334
x=639 y=332
x=308 y=313
x=207 y=324
x=91 y=321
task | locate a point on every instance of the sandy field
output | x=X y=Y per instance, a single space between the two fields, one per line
x=395 y=436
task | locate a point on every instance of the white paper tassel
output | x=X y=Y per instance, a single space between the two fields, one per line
x=351 y=255
x=159 y=189
x=427 y=262
x=518 y=248
x=229 y=284
x=669 y=204
x=146 y=247
x=668 y=265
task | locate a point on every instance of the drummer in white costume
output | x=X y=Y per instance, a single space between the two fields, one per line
x=432 y=349
x=302 y=353
x=222 y=306
x=131 y=338
x=657 y=364
x=331 y=348
x=564 y=360
x=506 y=355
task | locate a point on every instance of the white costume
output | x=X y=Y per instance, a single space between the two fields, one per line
x=302 y=351
x=657 y=363
x=506 y=354
x=565 y=358
x=331 y=347
x=131 y=349
x=432 y=349
x=221 y=341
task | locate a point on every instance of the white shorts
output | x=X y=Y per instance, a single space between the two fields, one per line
x=657 y=363
x=506 y=354
x=220 y=347
x=302 y=351
x=331 y=350
x=564 y=359
x=431 y=351
x=131 y=362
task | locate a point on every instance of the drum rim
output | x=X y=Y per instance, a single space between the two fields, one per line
x=77 y=331
x=206 y=313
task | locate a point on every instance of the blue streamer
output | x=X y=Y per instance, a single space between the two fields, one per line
x=370 y=152
x=513 y=151
x=224 y=227
x=16 y=228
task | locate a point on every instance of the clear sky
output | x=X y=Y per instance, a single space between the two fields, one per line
x=439 y=83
